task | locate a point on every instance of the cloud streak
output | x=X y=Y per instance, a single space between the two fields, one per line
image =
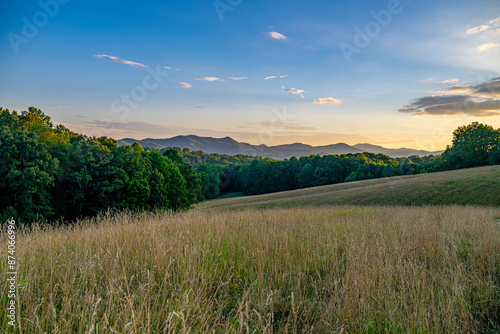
x=484 y=27
x=208 y=78
x=119 y=60
x=478 y=100
x=488 y=46
x=238 y=78
x=490 y=30
x=275 y=77
x=327 y=100
x=437 y=81
x=294 y=91
x=478 y=29
x=277 y=35
x=184 y=85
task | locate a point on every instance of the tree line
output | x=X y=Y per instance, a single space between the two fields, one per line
x=473 y=145
x=48 y=172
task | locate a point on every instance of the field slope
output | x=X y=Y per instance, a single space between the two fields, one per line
x=296 y=270
x=474 y=186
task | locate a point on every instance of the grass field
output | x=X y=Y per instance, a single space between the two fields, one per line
x=329 y=269
x=475 y=186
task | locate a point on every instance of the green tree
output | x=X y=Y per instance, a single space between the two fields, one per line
x=27 y=171
x=471 y=146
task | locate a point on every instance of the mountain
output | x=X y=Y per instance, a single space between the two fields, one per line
x=394 y=152
x=230 y=146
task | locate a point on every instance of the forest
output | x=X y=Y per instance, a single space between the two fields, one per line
x=49 y=173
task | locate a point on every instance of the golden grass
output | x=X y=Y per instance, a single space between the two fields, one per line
x=308 y=270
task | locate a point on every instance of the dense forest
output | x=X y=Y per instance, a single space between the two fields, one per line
x=48 y=172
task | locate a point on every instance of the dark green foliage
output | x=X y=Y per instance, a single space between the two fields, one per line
x=198 y=158
x=49 y=172
x=27 y=169
x=473 y=145
x=210 y=179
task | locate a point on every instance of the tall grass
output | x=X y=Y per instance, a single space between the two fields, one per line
x=308 y=270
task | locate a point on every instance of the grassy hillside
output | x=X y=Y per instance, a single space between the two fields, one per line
x=307 y=270
x=475 y=186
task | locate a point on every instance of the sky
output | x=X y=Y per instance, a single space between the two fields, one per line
x=392 y=73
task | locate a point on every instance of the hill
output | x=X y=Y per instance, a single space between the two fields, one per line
x=475 y=186
x=230 y=146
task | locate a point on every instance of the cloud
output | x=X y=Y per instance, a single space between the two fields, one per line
x=277 y=35
x=478 y=29
x=208 y=78
x=488 y=89
x=121 y=61
x=294 y=91
x=456 y=89
x=487 y=31
x=487 y=46
x=238 y=78
x=478 y=100
x=451 y=81
x=329 y=100
x=484 y=27
x=184 y=85
x=438 y=81
x=275 y=77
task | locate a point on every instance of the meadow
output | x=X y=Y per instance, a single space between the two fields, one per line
x=328 y=269
x=472 y=186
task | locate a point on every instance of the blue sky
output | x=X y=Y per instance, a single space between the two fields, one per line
x=157 y=69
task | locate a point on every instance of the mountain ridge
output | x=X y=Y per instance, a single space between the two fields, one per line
x=228 y=145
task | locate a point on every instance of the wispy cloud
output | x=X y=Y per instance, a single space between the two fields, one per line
x=329 y=100
x=208 y=78
x=451 y=81
x=489 y=31
x=238 y=78
x=275 y=77
x=478 y=29
x=184 y=85
x=456 y=89
x=484 y=27
x=294 y=91
x=121 y=61
x=488 y=46
x=277 y=35
x=478 y=100
x=438 y=81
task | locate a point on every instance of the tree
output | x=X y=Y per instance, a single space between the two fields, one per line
x=27 y=171
x=471 y=146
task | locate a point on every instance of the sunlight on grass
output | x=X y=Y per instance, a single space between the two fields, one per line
x=309 y=270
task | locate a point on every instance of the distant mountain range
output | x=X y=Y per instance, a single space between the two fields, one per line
x=230 y=146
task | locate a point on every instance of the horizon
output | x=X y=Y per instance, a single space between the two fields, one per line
x=330 y=144
x=396 y=74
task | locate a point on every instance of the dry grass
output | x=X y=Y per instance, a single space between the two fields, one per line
x=309 y=270
x=473 y=186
